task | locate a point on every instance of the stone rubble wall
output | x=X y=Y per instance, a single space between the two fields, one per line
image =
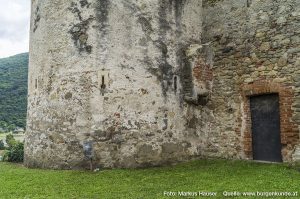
x=157 y=81
x=256 y=47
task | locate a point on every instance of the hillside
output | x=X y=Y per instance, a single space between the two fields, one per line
x=13 y=91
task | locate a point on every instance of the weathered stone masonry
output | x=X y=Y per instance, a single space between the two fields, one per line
x=256 y=47
x=156 y=82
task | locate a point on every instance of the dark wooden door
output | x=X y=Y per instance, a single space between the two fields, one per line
x=266 y=128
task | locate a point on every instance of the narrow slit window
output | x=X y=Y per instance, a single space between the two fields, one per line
x=248 y=3
x=36 y=84
x=103 y=86
x=175 y=83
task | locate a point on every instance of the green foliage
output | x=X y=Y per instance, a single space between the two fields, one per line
x=15 y=153
x=204 y=175
x=13 y=91
x=15 y=150
x=2 y=147
x=10 y=140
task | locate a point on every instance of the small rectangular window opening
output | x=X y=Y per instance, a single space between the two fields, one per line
x=249 y=3
x=35 y=83
x=175 y=83
x=103 y=86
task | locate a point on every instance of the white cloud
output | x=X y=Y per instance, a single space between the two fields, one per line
x=14 y=27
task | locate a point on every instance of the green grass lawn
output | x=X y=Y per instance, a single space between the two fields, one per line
x=204 y=175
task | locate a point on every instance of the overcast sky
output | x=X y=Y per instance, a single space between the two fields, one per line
x=14 y=27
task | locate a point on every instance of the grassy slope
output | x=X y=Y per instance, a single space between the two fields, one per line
x=205 y=175
x=13 y=91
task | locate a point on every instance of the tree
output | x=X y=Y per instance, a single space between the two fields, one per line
x=10 y=140
x=15 y=153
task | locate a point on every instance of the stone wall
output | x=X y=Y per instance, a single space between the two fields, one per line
x=113 y=73
x=256 y=51
x=156 y=82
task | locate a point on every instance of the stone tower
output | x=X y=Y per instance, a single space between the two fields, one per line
x=112 y=73
x=151 y=82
